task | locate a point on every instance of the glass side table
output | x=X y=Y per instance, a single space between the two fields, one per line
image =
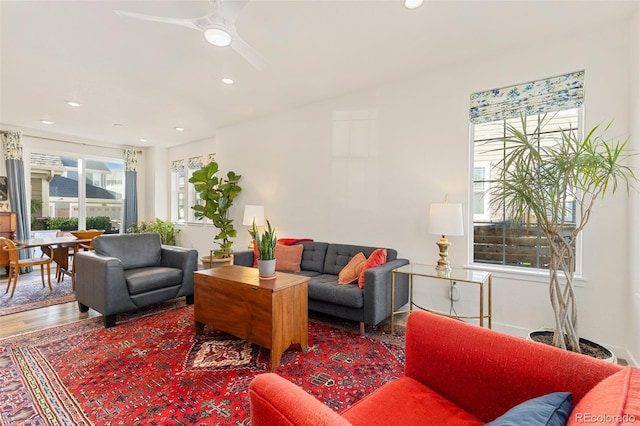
x=480 y=278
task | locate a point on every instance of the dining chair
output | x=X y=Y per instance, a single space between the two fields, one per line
x=62 y=267
x=15 y=263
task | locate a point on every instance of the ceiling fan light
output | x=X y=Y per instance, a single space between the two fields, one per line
x=412 y=4
x=217 y=36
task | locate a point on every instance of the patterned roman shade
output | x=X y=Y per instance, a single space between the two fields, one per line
x=535 y=97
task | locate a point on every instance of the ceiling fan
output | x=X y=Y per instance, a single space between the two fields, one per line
x=218 y=27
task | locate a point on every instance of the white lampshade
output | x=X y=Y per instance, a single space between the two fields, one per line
x=446 y=219
x=252 y=213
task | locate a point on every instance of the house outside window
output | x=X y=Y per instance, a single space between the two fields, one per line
x=497 y=239
x=57 y=191
x=481 y=192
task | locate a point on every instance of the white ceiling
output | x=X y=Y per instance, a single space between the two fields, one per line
x=151 y=77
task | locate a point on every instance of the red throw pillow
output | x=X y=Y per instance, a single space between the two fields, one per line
x=292 y=241
x=288 y=258
x=377 y=258
x=256 y=254
x=350 y=273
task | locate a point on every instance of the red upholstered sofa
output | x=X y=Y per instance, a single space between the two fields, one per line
x=461 y=374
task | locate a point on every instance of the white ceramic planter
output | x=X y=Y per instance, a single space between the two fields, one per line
x=267 y=268
x=612 y=358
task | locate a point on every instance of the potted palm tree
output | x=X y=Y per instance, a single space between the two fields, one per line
x=537 y=184
x=217 y=195
x=266 y=242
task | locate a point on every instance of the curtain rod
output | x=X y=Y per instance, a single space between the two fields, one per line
x=139 y=151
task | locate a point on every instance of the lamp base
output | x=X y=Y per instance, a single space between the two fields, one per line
x=443 y=267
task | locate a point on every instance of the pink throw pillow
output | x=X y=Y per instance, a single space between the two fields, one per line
x=288 y=258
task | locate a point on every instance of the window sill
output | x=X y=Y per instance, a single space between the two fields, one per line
x=532 y=275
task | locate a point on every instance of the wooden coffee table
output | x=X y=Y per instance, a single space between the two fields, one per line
x=271 y=313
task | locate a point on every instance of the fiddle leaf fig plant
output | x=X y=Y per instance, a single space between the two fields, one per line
x=538 y=183
x=217 y=195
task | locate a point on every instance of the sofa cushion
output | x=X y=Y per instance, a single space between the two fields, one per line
x=313 y=256
x=406 y=401
x=613 y=401
x=288 y=258
x=142 y=280
x=338 y=255
x=351 y=271
x=308 y=273
x=547 y=410
x=325 y=288
x=133 y=250
x=377 y=258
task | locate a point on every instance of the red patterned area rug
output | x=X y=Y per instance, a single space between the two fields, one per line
x=30 y=294
x=153 y=370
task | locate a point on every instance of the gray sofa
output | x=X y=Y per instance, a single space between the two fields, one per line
x=323 y=261
x=130 y=271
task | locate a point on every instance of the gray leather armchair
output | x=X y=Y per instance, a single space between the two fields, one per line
x=130 y=271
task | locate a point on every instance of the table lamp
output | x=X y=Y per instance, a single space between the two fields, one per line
x=251 y=214
x=445 y=219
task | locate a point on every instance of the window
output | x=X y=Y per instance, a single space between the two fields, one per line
x=481 y=188
x=498 y=239
x=178 y=189
x=56 y=191
x=195 y=163
x=183 y=193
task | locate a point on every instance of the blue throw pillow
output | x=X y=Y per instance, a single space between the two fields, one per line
x=551 y=410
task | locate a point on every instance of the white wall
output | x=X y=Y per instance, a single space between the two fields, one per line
x=153 y=185
x=634 y=211
x=414 y=149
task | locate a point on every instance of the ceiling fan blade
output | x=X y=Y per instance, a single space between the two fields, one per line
x=231 y=9
x=189 y=23
x=246 y=51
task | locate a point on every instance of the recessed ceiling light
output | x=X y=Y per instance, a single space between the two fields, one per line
x=48 y=122
x=227 y=80
x=73 y=103
x=180 y=129
x=142 y=140
x=412 y=4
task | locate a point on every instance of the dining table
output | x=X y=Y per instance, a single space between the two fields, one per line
x=58 y=248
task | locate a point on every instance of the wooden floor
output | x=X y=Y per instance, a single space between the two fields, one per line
x=37 y=319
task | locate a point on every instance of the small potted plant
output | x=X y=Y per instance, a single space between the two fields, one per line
x=266 y=242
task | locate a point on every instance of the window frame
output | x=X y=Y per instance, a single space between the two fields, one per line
x=509 y=269
x=176 y=167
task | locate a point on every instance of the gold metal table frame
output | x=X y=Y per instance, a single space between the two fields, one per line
x=470 y=276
